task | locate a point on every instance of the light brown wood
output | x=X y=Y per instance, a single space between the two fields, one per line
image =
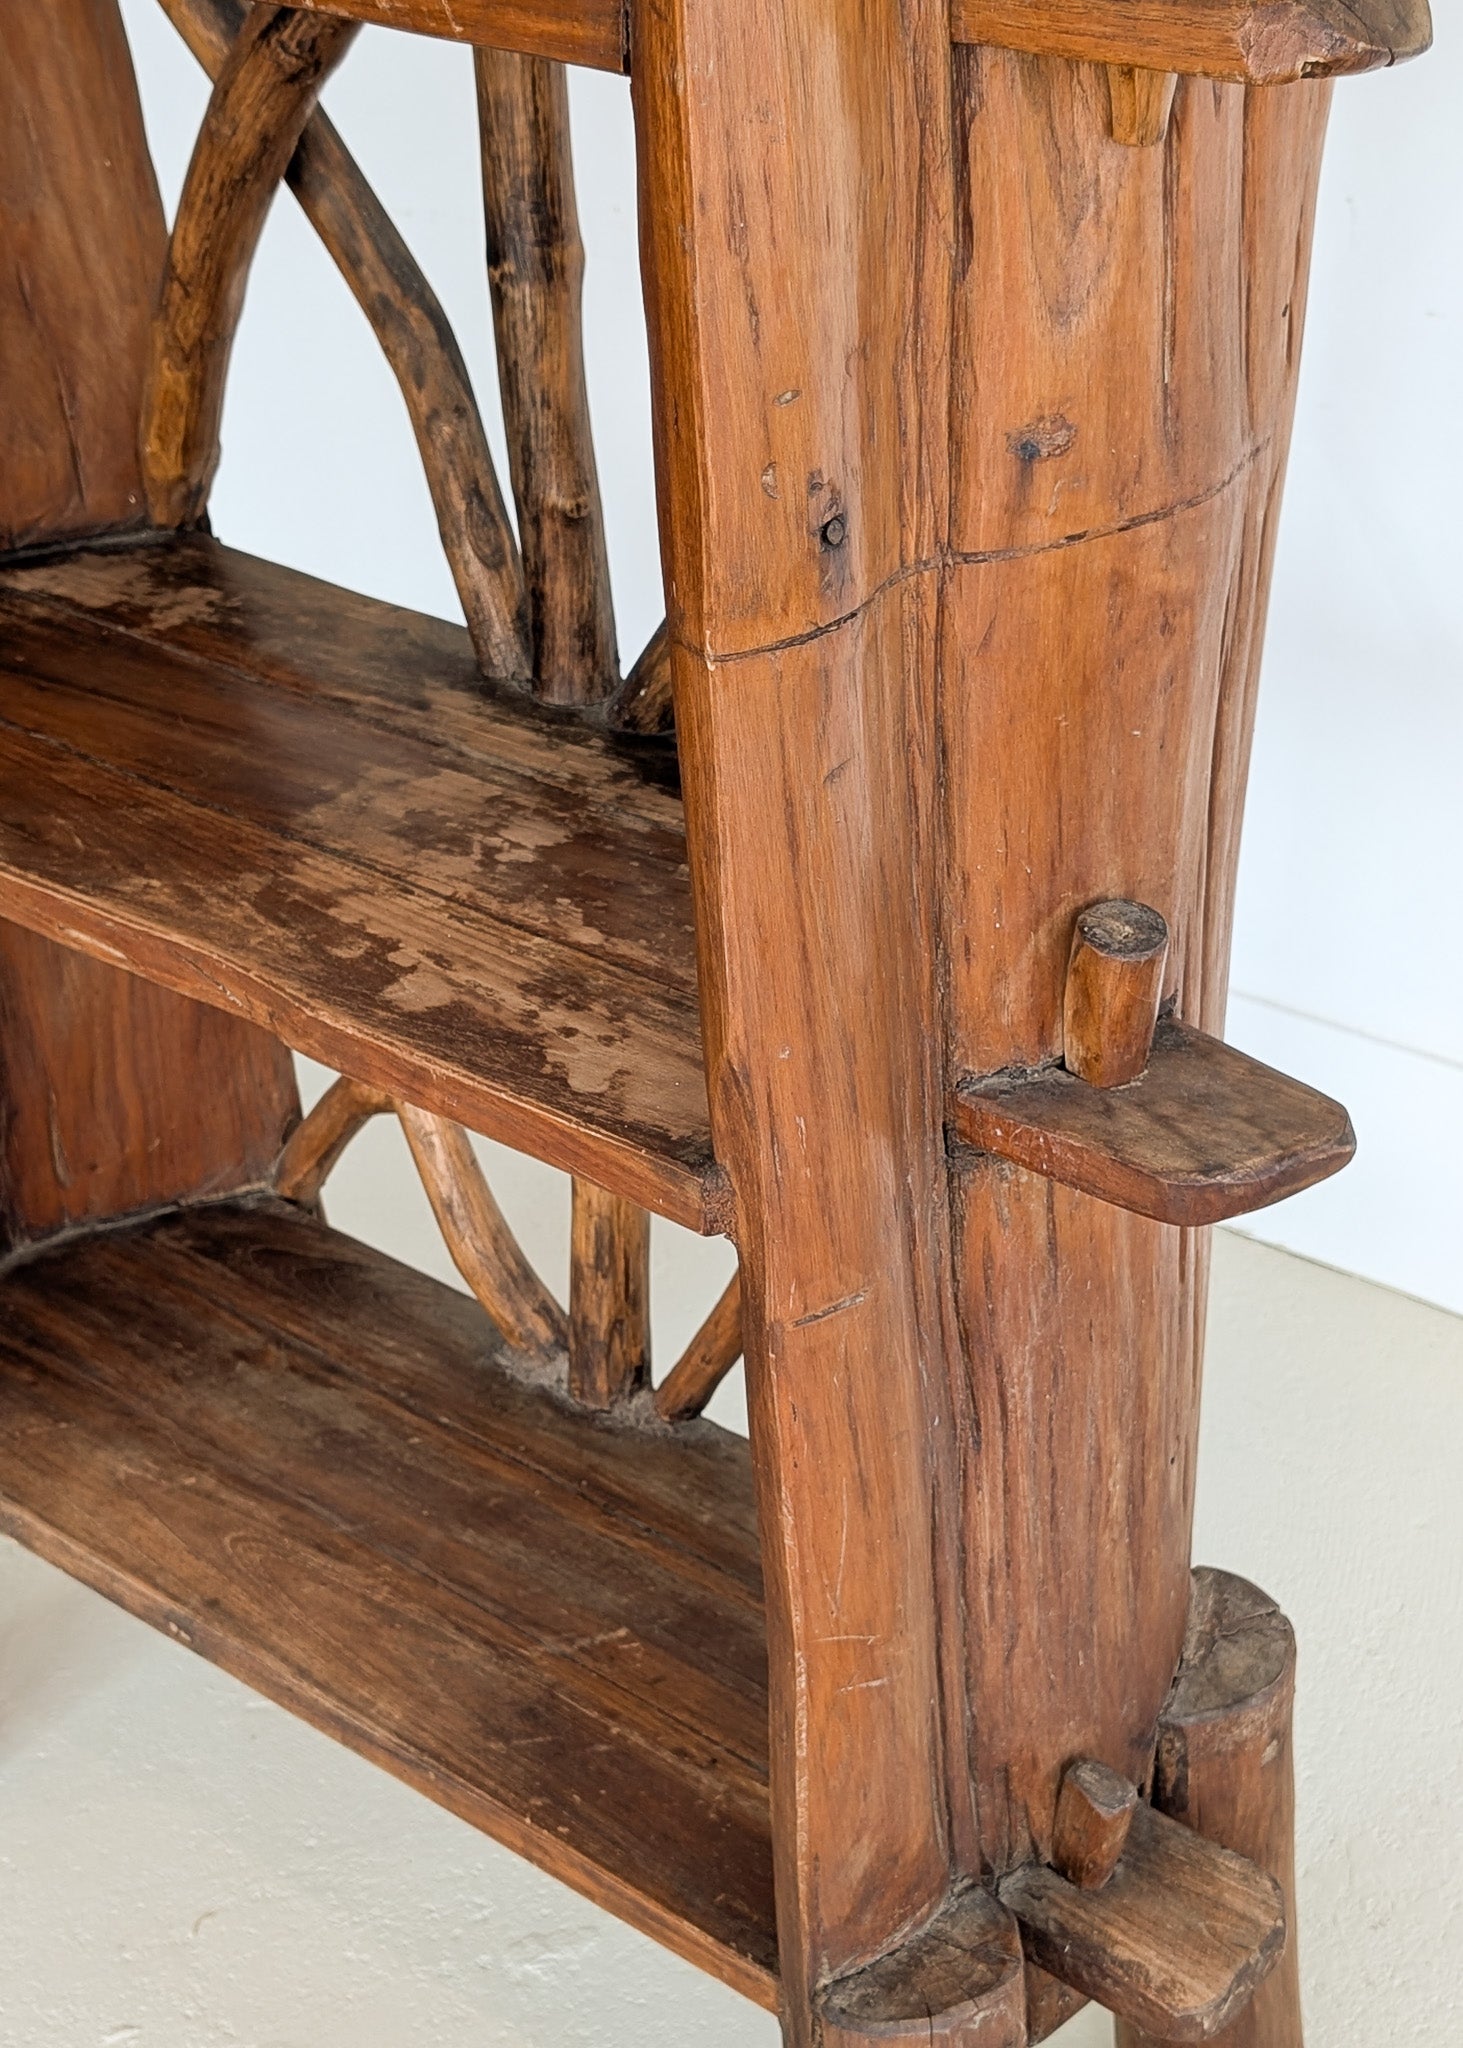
x=81 y=253
x=316 y=1144
x=1094 y=1812
x=1141 y=104
x=644 y=702
x=706 y=1360
x=1177 y=1939
x=1114 y=985
x=536 y=270
x=592 y=32
x=957 y=1980
x=321 y=1471
x=484 y=1250
x=265 y=93
x=419 y=344
x=1254 y=42
x=609 y=1297
x=1225 y=1768
x=437 y=889
x=1204 y=1133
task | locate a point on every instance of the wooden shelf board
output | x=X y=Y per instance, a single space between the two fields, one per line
x=309 y=1464
x=305 y=806
x=1205 y=1132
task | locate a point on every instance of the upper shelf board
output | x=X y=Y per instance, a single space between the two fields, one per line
x=305 y=806
x=592 y=32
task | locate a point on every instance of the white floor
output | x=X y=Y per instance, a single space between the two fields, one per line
x=183 y=1866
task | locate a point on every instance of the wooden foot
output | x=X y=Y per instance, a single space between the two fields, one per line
x=1225 y=1768
x=959 y=1981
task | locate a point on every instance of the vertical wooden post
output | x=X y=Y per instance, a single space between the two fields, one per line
x=1225 y=1768
x=609 y=1297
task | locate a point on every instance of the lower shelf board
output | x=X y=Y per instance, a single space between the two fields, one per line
x=314 y=1467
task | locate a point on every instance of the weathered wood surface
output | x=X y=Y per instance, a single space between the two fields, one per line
x=305 y=1462
x=536 y=272
x=609 y=1297
x=301 y=805
x=1114 y=986
x=1204 y=1132
x=796 y=220
x=265 y=93
x=317 y=1142
x=706 y=1360
x=1255 y=42
x=1225 y=1767
x=592 y=32
x=644 y=702
x=419 y=344
x=1177 y=1939
x=483 y=1248
x=1141 y=103
x=117 y=1096
x=958 y=1980
x=1094 y=1812
x=82 y=244
x=1125 y=344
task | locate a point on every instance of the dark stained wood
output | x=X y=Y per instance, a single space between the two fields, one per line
x=1049 y=2003
x=1225 y=1767
x=307 y=1463
x=536 y=271
x=484 y=1250
x=1094 y=1812
x=644 y=702
x=315 y=1144
x=300 y=804
x=1255 y=42
x=1177 y=1939
x=419 y=344
x=609 y=1297
x=1141 y=104
x=1205 y=1132
x=589 y=32
x=957 y=1980
x=265 y=93
x=1114 y=985
x=117 y=1096
x=81 y=251
x=706 y=1360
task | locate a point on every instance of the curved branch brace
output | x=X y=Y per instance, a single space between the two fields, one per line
x=536 y=271
x=484 y=1250
x=315 y=1144
x=706 y=1360
x=264 y=96
x=416 y=339
x=644 y=702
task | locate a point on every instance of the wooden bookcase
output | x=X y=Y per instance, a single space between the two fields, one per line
x=878 y=918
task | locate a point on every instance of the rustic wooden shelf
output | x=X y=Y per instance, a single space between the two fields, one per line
x=305 y=806
x=311 y=1465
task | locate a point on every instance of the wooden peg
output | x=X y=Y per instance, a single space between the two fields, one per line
x=1141 y=102
x=1094 y=1812
x=1114 y=982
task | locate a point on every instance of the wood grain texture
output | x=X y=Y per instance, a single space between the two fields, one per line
x=116 y=1096
x=706 y=1360
x=309 y=1464
x=1114 y=986
x=1126 y=337
x=1094 y=1812
x=645 y=701
x=408 y=321
x=1204 y=1133
x=591 y=32
x=82 y=245
x=1141 y=103
x=609 y=1297
x=1254 y=42
x=794 y=238
x=957 y=1980
x=1177 y=1939
x=475 y=1231
x=302 y=805
x=265 y=93
x=536 y=271
x=1225 y=1767
x=315 y=1145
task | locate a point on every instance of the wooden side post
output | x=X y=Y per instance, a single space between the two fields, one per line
x=1225 y=1768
